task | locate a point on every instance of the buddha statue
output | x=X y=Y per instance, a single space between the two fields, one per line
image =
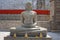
x=29 y=17
x=29 y=23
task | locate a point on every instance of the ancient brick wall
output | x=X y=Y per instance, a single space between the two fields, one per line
x=12 y=20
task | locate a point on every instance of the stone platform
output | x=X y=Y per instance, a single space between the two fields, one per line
x=31 y=32
x=29 y=38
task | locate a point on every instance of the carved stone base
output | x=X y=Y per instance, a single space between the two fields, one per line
x=29 y=38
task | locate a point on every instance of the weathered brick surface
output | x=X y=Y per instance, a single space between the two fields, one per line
x=43 y=17
x=7 y=24
x=43 y=24
x=9 y=16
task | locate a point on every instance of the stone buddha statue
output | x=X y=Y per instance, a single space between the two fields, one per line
x=28 y=17
x=29 y=21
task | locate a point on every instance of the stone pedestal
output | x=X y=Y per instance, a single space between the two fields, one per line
x=31 y=32
x=29 y=38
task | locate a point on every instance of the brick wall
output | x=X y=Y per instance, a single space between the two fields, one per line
x=13 y=20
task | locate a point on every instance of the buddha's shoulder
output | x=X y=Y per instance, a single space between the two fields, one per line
x=33 y=11
x=23 y=12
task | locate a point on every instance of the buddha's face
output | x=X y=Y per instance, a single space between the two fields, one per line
x=28 y=6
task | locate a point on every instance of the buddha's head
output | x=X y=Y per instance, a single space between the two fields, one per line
x=28 y=6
